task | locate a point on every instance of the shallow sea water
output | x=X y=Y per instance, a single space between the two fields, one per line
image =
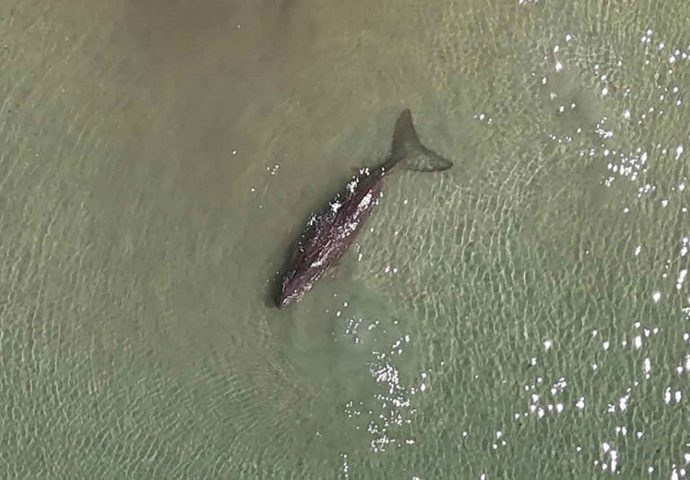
x=525 y=314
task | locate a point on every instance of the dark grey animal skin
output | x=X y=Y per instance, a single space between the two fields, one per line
x=329 y=234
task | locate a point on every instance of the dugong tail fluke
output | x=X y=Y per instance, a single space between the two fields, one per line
x=329 y=233
x=409 y=150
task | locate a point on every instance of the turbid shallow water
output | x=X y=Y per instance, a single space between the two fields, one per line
x=525 y=314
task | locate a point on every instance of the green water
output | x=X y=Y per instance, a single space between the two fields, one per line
x=522 y=315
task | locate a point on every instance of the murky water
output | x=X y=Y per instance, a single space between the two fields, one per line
x=525 y=314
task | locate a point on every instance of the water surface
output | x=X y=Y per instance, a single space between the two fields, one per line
x=523 y=315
